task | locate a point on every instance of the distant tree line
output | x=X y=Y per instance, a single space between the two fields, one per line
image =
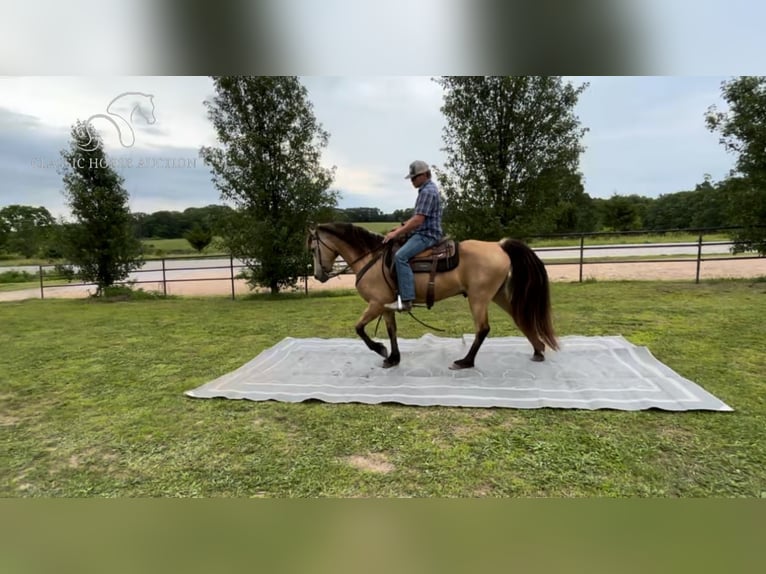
x=175 y=224
x=360 y=214
x=31 y=231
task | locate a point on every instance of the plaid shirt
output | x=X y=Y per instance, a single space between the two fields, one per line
x=429 y=204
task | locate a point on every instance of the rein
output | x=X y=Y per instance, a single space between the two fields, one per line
x=425 y=324
x=378 y=251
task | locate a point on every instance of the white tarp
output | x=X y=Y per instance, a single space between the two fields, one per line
x=586 y=373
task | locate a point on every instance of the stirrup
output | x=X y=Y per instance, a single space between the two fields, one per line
x=399 y=305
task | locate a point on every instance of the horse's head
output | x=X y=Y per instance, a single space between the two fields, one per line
x=128 y=105
x=320 y=244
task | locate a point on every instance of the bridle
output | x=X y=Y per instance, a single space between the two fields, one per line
x=314 y=235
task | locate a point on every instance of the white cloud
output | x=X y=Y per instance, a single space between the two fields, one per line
x=58 y=102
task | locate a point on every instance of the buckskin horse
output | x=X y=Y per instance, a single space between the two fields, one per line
x=507 y=272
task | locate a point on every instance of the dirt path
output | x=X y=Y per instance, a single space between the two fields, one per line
x=671 y=271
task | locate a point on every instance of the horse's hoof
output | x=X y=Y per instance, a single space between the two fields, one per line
x=382 y=351
x=457 y=365
x=538 y=358
x=387 y=364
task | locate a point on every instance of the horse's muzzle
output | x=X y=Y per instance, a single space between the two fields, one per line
x=321 y=276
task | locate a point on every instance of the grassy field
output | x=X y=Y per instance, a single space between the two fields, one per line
x=158 y=248
x=644 y=238
x=92 y=404
x=15 y=280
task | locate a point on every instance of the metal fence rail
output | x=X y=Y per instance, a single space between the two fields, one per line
x=579 y=255
x=231 y=276
x=582 y=249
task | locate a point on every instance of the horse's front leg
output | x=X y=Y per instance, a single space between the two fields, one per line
x=373 y=311
x=393 y=357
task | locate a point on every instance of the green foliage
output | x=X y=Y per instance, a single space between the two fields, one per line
x=127 y=293
x=14 y=276
x=743 y=131
x=624 y=212
x=199 y=237
x=268 y=165
x=513 y=146
x=4 y=232
x=747 y=201
x=704 y=207
x=101 y=242
x=363 y=214
x=174 y=224
x=24 y=229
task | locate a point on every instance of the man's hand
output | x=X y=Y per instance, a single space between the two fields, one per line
x=391 y=235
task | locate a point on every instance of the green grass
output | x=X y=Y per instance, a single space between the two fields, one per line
x=14 y=260
x=180 y=247
x=92 y=404
x=682 y=257
x=30 y=285
x=627 y=239
x=16 y=280
x=381 y=227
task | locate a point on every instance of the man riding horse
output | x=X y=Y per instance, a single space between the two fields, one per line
x=426 y=228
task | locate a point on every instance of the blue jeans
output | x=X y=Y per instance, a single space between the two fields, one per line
x=414 y=245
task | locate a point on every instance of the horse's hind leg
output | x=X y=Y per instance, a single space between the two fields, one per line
x=481 y=323
x=537 y=344
x=393 y=357
x=372 y=312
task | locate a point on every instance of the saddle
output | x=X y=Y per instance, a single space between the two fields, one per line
x=441 y=257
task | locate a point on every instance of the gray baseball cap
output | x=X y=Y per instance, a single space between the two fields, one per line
x=416 y=168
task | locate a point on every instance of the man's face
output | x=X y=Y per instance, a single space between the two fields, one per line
x=417 y=180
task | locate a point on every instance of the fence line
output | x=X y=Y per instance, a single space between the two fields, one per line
x=580 y=250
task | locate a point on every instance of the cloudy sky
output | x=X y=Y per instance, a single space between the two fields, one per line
x=646 y=135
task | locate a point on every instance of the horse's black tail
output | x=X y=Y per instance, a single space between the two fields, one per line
x=529 y=292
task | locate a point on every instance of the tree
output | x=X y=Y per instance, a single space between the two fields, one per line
x=209 y=217
x=402 y=215
x=199 y=237
x=623 y=212
x=513 y=149
x=705 y=206
x=26 y=228
x=362 y=214
x=268 y=166
x=102 y=243
x=743 y=131
x=576 y=214
x=4 y=232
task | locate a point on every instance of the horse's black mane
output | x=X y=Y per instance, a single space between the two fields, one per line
x=353 y=234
